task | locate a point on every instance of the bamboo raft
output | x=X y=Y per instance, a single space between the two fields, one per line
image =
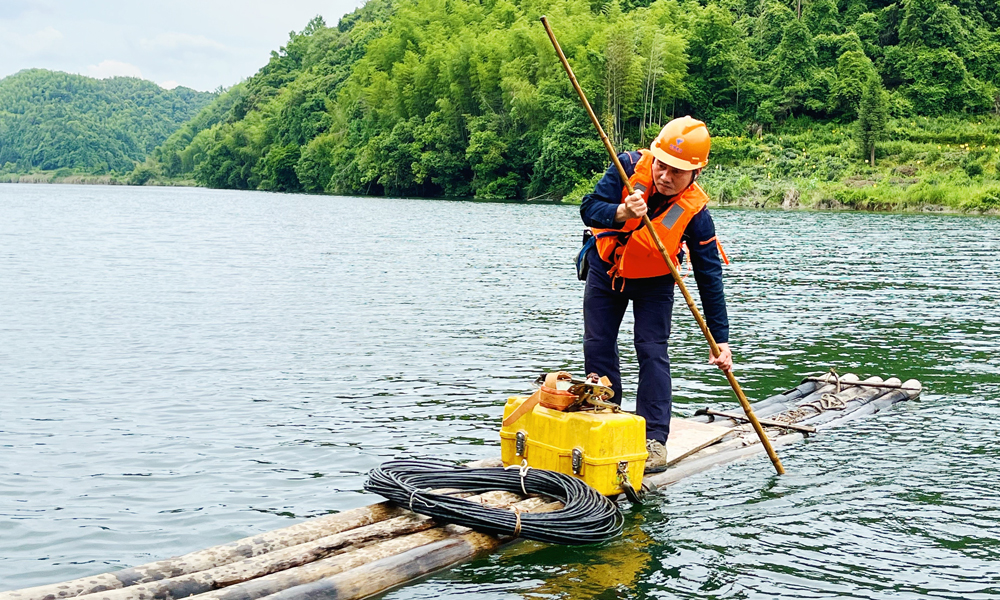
x=368 y=550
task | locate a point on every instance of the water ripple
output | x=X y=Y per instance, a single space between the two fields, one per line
x=184 y=367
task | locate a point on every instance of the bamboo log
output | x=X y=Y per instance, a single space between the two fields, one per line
x=738 y=450
x=800 y=391
x=724 y=445
x=211 y=557
x=867 y=407
x=797 y=392
x=306 y=574
x=258 y=566
x=285 y=558
x=374 y=576
x=707 y=457
x=766 y=422
x=328 y=567
x=896 y=396
x=910 y=390
x=485 y=463
x=378 y=576
x=778 y=407
x=886 y=385
x=700 y=417
x=852 y=397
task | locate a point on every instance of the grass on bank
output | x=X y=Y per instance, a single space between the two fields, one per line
x=78 y=176
x=924 y=164
x=70 y=176
x=930 y=164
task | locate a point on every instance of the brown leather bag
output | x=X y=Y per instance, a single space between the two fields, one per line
x=548 y=395
x=554 y=398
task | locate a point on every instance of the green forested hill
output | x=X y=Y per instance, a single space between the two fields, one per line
x=466 y=97
x=52 y=120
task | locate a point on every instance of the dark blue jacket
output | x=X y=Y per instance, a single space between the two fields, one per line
x=598 y=210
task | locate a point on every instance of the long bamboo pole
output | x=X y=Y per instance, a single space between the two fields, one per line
x=666 y=256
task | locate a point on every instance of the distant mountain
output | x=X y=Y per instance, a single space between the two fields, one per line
x=52 y=120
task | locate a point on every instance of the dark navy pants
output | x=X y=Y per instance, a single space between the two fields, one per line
x=603 y=309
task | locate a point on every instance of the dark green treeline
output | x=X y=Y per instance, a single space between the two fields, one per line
x=466 y=98
x=51 y=120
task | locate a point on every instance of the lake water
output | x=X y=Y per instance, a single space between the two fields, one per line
x=184 y=367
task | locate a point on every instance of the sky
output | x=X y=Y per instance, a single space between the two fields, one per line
x=201 y=44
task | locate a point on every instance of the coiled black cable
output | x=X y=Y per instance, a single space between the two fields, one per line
x=587 y=517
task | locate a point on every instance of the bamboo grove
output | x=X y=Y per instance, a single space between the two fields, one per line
x=460 y=98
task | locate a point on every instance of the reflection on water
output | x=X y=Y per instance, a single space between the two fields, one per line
x=184 y=367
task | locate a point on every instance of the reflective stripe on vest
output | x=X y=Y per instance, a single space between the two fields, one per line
x=631 y=251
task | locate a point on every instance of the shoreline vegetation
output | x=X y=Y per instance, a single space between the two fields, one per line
x=60 y=177
x=846 y=104
x=778 y=194
x=926 y=164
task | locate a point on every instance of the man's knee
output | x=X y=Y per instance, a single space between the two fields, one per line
x=652 y=351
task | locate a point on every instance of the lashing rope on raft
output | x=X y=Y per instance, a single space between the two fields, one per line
x=587 y=517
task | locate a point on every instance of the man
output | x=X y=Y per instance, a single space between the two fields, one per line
x=625 y=265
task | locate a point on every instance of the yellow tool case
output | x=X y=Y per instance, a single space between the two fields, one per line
x=591 y=445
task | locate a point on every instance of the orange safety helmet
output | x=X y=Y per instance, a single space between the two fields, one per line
x=683 y=144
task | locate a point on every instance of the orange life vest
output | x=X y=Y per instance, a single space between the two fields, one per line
x=631 y=250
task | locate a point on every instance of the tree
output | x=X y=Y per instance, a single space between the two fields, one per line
x=276 y=171
x=315 y=167
x=570 y=152
x=664 y=75
x=619 y=80
x=854 y=70
x=740 y=67
x=715 y=46
x=442 y=160
x=933 y=24
x=445 y=98
x=866 y=27
x=795 y=67
x=821 y=17
x=488 y=154
x=873 y=117
x=769 y=25
x=939 y=83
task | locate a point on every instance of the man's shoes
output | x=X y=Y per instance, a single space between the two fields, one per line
x=656 y=462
